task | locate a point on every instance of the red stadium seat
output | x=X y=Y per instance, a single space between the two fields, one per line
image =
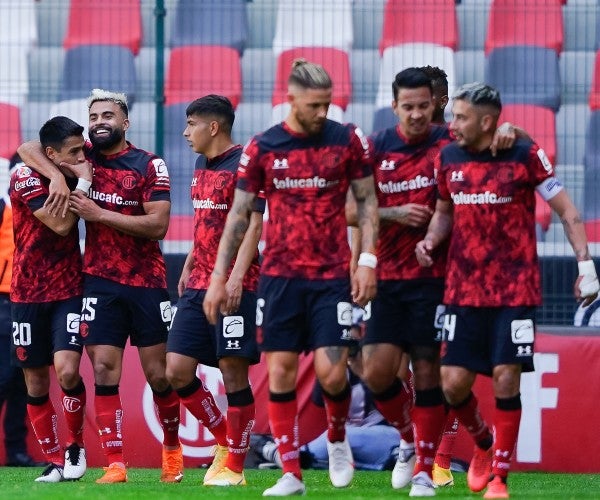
x=10 y=130
x=534 y=22
x=595 y=90
x=335 y=62
x=431 y=21
x=220 y=73
x=113 y=22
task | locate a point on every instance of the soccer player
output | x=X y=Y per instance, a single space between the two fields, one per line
x=46 y=294
x=232 y=345
x=486 y=209
x=125 y=294
x=305 y=166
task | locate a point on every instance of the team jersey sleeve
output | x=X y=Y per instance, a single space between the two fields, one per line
x=158 y=184
x=360 y=154
x=440 y=178
x=27 y=186
x=260 y=203
x=250 y=174
x=542 y=170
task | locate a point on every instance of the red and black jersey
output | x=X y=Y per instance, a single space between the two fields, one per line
x=305 y=180
x=404 y=173
x=492 y=260
x=122 y=183
x=212 y=190
x=46 y=266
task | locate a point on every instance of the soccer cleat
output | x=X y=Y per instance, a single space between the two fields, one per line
x=442 y=477
x=172 y=465
x=341 y=463
x=287 y=485
x=480 y=469
x=51 y=474
x=75 y=462
x=220 y=454
x=496 y=488
x=405 y=466
x=227 y=477
x=422 y=485
x=114 y=473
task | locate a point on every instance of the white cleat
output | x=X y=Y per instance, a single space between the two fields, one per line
x=52 y=474
x=287 y=485
x=422 y=486
x=405 y=466
x=75 y=462
x=341 y=463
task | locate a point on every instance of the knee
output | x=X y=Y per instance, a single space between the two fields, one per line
x=376 y=377
x=235 y=374
x=68 y=376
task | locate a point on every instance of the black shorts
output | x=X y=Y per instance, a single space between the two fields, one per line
x=480 y=338
x=294 y=314
x=41 y=329
x=406 y=313
x=192 y=335
x=113 y=312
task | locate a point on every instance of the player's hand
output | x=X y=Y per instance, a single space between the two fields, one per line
x=413 y=215
x=586 y=285
x=214 y=298
x=504 y=138
x=423 y=252
x=183 y=280
x=85 y=208
x=364 y=285
x=233 y=290
x=57 y=202
x=81 y=170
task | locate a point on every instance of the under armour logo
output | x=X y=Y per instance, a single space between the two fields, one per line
x=524 y=350
x=280 y=164
x=457 y=176
x=233 y=344
x=388 y=165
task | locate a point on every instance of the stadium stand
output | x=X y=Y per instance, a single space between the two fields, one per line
x=595 y=88
x=258 y=70
x=112 y=22
x=10 y=129
x=98 y=66
x=196 y=70
x=367 y=23
x=310 y=23
x=433 y=22
x=76 y=109
x=262 y=18
x=18 y=27
x=591 y=161
x=210 y=22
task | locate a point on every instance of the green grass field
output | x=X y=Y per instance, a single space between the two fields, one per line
x=17 y=483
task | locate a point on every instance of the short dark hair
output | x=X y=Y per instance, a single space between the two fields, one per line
x=479 y=94
x=410 y=78
x=216 y=106
x=438 y=76
x=309 y=75
x=56 y=130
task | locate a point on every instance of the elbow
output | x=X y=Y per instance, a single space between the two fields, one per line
x=160 y=232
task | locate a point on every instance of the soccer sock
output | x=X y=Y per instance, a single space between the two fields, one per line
x=201 y=403
x=73 y=404
x=468 y=415
x=283 y=419
x=507 y=418
x=429 y=417
x=336 y=408
x=443 y=458
x=395 y=404
x=240 y=420
x=109 y=419
x=167 y=407
x=43 y=420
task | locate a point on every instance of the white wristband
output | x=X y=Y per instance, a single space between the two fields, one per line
x=83 y=185
x=588 y=286
x=367 y=259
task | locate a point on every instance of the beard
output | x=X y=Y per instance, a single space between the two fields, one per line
x=107 y=141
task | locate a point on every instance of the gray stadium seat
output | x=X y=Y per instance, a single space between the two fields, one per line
x=591 y=161
x=576 y=69
x=472 y=18
x=573 y=178
x=469 y=66
x=109 y=67
x=580 y=18
x=262 y=18
x=33 y=116
x=258 y=74
x=142 y=128
x=367 y=21
x=364 y=69
x=51 y=20
x=145 y=68
x=149 y=21
x=210 y=22
x=571 y=121
x=360 y=114
x=525 y=74
x=251 y=118
x=45 y=73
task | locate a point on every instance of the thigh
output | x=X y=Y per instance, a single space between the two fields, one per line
x=31 y=345
x=513 y=337
x=236 y=334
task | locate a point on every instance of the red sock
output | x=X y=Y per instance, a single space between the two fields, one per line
x=429 y=425
x=240 y=420
x=444 y=454
x=336 y=409
x=109 y=418
x=506 y=432
x=167 y=407
x=202 y=405
x=43 y=420
x=73 y=404
x=396 y=409
x=468 y=415
x=283 y=419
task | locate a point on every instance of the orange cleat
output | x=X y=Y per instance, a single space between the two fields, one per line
x=496 y=488
x=480 y=469
x=172 y=465
x=114 y=473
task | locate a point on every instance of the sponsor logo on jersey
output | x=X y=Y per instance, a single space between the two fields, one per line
x=207 y=203
x=29 y=182
x=545 y=161
x=112 y=198
x=303 y=183
x=487 y=198
x=419 y=182
x=23 y=172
